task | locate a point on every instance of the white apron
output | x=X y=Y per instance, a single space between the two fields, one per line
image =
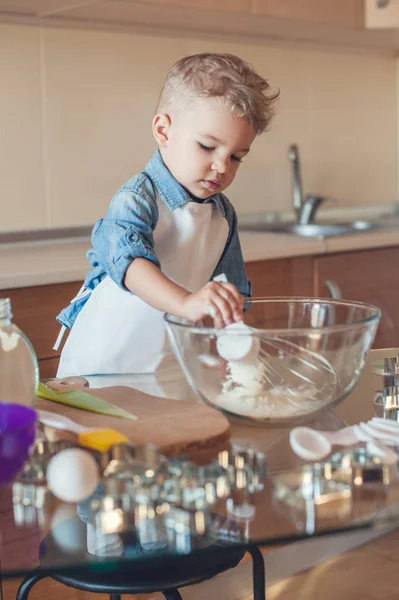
x=117 y=332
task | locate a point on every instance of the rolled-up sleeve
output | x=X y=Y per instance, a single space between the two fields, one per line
x=125 y=233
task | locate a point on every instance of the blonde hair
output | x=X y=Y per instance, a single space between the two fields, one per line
x=224 y=76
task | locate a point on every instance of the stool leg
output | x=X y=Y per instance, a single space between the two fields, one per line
x=114 y=597
x=172 y=595
x=27 y=585
x=258 y=570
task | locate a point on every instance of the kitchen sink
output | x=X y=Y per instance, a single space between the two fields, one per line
x=316 y=230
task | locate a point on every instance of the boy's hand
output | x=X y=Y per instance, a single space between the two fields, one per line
x=221 y=301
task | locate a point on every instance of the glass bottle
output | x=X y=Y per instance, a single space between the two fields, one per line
x=19 y=371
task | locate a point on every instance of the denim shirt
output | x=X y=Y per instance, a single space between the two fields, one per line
x=126 y=233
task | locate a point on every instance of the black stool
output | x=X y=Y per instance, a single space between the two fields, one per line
x=165 y=576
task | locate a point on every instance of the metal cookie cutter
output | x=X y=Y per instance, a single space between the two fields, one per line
x=386 y=403
x=312 y=495
x=246 y=468
x=311 y=482
x=145 y=486
x=388 y=370
x=144 y=491
x=358 y=468
x=386 y=400
x=138 y=463
x=228 y=529
x=111 y=514
x=195 y=487
x=247 y=471
x=179 y=520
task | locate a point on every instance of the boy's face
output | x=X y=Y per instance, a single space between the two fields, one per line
x=203 y=144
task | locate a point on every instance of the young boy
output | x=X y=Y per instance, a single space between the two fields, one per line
x=170 y=230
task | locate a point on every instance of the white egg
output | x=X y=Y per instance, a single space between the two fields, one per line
x=72 y=475
x=244 y=345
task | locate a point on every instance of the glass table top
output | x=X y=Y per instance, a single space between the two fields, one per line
x=291 y=503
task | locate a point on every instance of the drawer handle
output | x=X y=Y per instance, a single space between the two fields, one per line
x=334 y=289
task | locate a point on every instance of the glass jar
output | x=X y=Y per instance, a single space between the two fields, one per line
x=19 y=371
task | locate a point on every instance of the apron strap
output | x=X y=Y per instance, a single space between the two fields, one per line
x=60 y=336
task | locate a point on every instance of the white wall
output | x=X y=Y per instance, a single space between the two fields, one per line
x=76 y=110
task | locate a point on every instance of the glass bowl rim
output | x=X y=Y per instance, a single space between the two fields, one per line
x=374 y=317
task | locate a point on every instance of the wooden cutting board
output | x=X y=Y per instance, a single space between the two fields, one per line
x=174 y=426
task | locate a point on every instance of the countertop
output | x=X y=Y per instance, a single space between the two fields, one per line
x=172 y=384
x=263 y=246
x=44 y=261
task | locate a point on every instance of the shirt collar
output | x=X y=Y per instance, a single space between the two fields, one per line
x=170 y=189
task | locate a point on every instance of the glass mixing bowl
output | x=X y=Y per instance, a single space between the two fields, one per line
x=297 y=357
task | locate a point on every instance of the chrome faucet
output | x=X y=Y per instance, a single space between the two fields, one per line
x=305 y=208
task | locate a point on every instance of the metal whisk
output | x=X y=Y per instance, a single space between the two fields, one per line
x=275 y=365
x=296 y=369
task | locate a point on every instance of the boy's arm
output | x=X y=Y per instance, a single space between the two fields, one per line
x=125 y=233
x=146 y=280
x=221 y=301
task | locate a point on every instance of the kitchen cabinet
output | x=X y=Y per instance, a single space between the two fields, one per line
x=368 y=276
x=344 y=13
x=319 y=22
x=281 y=277
x=225 y=5
x=381 y=15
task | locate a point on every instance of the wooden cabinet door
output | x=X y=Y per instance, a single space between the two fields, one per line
x=344 y=13
x=225 y=5
x=283 y=277
x=370 y=276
